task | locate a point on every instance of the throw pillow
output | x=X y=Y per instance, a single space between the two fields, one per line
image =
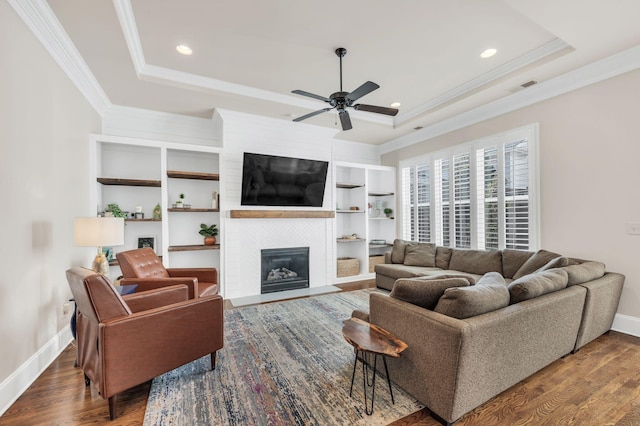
x=443 y=256
x=420 y=254
x=397 y=253
x=476 y=261
x=584 y=272
x=535 y=285
x=535 y=262
x=512 y=260
x=424 y=292
x=489 y=294
x=558 y=262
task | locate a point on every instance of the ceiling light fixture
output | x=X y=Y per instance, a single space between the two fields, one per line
x=488 y=53
x=184 y=49
x=395 y=105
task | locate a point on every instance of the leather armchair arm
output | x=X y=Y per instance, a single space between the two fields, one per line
x=150 y=299
x=159 y=339
x=205 y=275
x=145 y=284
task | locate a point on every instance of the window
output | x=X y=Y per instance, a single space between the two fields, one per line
x=478 y=195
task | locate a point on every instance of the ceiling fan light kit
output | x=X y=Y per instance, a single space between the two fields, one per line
x=342 y=100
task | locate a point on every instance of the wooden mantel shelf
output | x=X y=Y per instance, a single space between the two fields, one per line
x=282 y=214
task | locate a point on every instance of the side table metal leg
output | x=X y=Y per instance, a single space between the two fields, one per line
x=386 y=371
x=367 y=410
x=353 y=375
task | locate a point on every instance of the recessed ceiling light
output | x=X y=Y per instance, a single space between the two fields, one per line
x=395 y=105
x=488 y=53
x=184 y=49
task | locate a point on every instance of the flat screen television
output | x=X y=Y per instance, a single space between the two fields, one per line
x=269 y=180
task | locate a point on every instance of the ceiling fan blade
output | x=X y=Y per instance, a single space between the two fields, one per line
x=311 y=114
x=377 y=109
x=311 y=95
x=345 y=120
x=365 y=89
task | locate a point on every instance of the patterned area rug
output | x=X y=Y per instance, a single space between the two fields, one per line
x=284 y=363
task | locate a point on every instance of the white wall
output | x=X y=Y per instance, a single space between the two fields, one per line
x=244 y=238
x=589 y=174
x=44 y=128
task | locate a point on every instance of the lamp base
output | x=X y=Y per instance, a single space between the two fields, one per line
x=100 y=264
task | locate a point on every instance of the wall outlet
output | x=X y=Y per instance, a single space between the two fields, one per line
x=66 y=308
x=633 y=228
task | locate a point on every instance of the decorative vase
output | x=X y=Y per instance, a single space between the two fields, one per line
x=214 y=200
x=209 y=241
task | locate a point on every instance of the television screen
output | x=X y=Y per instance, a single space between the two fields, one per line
x=269 y=180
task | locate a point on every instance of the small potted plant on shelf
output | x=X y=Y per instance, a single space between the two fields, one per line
x=114 y=210
x=209 y=233
x=388 y=212
x=180 y=202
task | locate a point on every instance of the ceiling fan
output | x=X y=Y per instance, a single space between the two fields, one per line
x=343 y=100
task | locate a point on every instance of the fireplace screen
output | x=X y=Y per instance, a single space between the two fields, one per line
x=284 y=269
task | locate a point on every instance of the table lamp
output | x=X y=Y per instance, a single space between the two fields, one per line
x=98 y=232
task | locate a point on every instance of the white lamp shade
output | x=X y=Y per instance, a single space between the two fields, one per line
x=98 y=231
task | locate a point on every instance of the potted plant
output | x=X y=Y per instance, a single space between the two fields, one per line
x=209 y=233
x=388 y=212
x=180 y=202
x=114 y=210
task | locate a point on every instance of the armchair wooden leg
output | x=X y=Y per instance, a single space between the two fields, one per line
x=213 y=360
x=113 y=409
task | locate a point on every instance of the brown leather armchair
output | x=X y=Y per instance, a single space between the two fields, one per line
x=125 y=341
x=144 y=268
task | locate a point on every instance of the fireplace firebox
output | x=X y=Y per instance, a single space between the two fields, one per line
x=284 y=269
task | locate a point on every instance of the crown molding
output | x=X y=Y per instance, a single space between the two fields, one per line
x=604 y=69
x=41 y=20
x=527 y=59
x=124 y=11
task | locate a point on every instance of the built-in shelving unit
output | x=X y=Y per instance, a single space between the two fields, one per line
x=356 y=187
x=129 y=182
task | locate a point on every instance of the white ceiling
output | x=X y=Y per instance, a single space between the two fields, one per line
x=249 y=55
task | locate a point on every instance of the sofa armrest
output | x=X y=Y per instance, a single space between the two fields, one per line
x=387 y=257
x=145 y=300
x=145 y=284
x=205 y=275
x=164 y=337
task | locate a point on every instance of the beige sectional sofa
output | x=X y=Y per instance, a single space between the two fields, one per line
x=478 y=322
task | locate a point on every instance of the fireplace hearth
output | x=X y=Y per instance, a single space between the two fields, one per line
x=284 y=269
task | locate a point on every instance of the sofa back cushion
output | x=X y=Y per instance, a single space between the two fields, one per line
x=443 y=256
x=584 y=272
x=397 y=253
x=489 y=294
x=476 y=261
x=512 y=260
x=424 y=292
x=558 y=262
x=535 y=285
x=420 y=254
x=535 y=262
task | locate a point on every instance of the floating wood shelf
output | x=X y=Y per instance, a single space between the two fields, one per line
x=349 y=240
x=347 y=185
x=143 y=220
x=349 y=211
x=180 y=209
x=192 y=175
x=129 y=182
x=194 y=247
x=282 y=214
x=380 y=194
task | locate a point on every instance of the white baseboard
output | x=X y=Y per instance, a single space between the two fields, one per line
x=626 y=324
x=18 y=382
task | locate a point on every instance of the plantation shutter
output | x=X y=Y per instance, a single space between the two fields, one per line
x=407 y=196
x=516 y=194
x=441 y=196
x=462 y=200
x=487 y=184
x=424 y=203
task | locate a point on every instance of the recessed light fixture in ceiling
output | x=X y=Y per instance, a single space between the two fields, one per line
x=395 y=105
x=488 y=53
x=184 y=49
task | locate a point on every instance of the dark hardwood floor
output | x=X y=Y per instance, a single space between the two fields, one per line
x=599 y=385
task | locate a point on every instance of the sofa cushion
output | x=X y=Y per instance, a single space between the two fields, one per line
x=395 y=271
x=443 y=256
x=397 y=253
x=489 y=294
x=449 y=273
x=512 y=260
x=584 y=272
x=420 y=254
x=424 y=292
x=476 y=261
x=535 y=262
x=535 y=285
x=558 y=262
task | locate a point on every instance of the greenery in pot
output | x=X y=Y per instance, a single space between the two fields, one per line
x=388 y=211
x=208 y=231
x=115 y=210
